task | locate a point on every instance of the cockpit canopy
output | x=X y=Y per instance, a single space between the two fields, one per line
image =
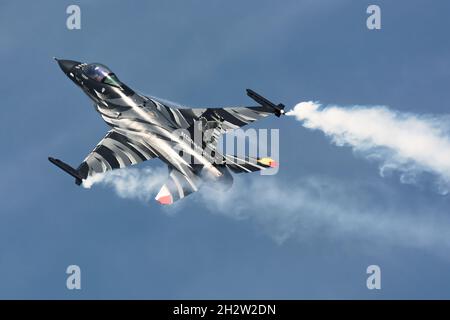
x=101 y=73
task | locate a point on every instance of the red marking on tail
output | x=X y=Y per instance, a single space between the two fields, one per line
x=165 y=199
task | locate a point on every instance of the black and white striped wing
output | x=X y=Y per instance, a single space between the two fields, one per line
x=228 y=118
x=236 y=117
x=116 y=150
x=222 y=120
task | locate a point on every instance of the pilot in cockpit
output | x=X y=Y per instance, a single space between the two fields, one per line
x=101 y=73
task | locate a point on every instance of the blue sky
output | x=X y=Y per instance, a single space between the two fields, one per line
x=205 y=54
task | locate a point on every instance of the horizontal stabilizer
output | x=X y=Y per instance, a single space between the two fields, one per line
x=177 y=187
x=248 y=164
x=68 y=169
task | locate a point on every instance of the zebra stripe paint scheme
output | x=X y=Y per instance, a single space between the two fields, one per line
x=144 y=127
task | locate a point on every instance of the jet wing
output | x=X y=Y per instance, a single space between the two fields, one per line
x=116 y=150
x=248 y=164
x=216 y=121
x=228 y=118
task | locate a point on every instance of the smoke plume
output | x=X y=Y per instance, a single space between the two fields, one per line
x=317 y=208
x=131 y=183
x=405 y=142
x=313 y=208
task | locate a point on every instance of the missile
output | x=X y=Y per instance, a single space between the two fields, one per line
x=68 y=169
x=278 y=109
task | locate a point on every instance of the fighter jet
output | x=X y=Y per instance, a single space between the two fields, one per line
x=143 y=128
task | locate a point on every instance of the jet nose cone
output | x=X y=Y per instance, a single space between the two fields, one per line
x=67 y=65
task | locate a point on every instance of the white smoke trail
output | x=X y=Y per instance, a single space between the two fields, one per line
x=406 y=142
x=132 y=183
x=316 y=208
x=308 y=209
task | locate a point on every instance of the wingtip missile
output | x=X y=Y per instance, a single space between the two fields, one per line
x=68 y=169
x=278 y=109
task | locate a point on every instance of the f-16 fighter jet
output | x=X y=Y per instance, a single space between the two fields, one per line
x=143 y=128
